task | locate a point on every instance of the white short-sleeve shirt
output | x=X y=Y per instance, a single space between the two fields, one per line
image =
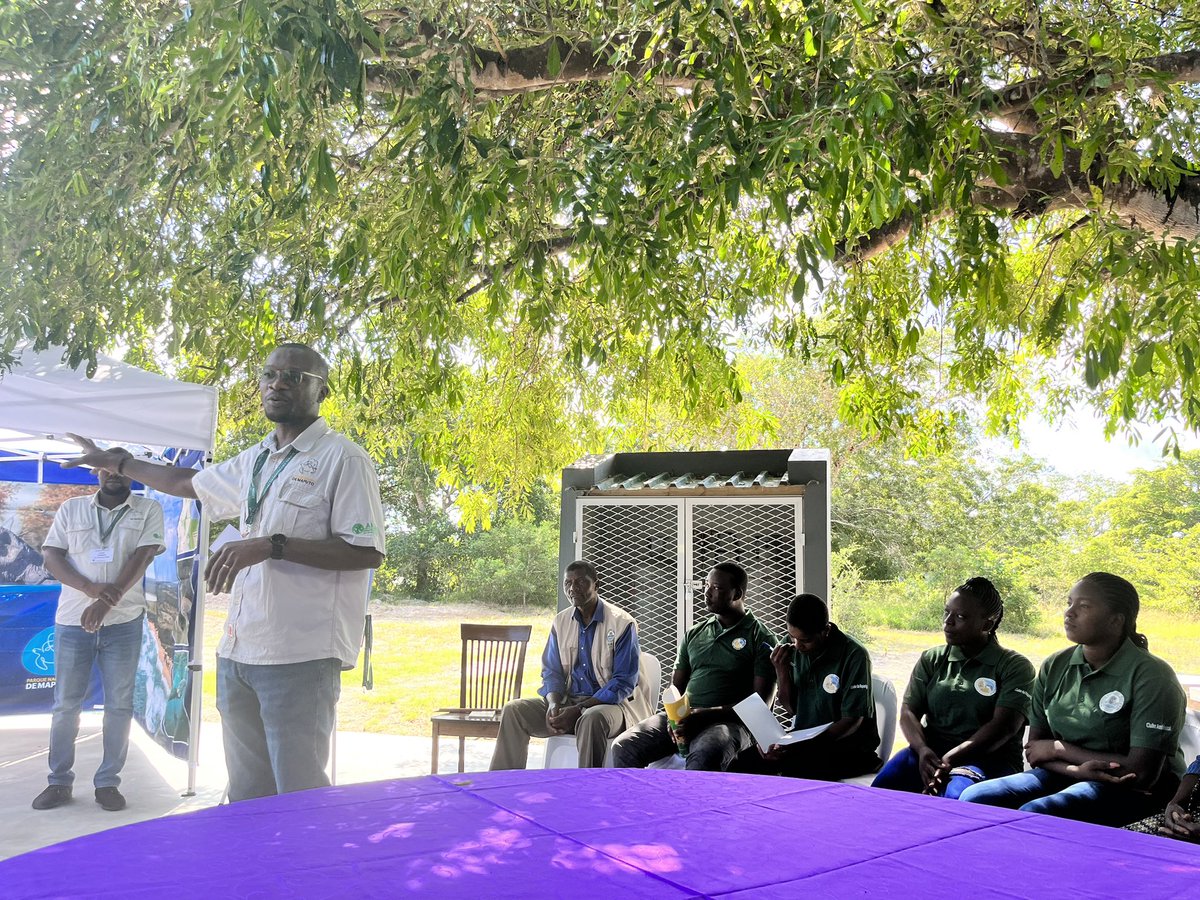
x=282 y=611
x=76 y=531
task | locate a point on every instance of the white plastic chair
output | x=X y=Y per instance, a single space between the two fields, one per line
x=561 y=749
x=887 y=715
x=1189 y=738
x=674 y=761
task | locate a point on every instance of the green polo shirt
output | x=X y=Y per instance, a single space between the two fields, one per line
x=721 y=664
x=1133 y=700
x=957 y=695
x=836 y=684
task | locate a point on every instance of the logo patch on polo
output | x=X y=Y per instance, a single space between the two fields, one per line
x=831 y=684
x=739 y=643
x=985 y=686
x=1112 y=702
x=359 y=528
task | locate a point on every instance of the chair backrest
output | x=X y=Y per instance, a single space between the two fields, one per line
x=1189 y=739
x=887 y=714
x=493 y=663
x=649 y=686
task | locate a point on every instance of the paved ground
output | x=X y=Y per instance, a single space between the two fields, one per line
x=154 y=782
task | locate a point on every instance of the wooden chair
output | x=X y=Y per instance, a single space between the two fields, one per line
x=493 y=662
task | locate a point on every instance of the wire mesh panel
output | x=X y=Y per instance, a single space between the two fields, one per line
x=764 y=538
x=637 y=549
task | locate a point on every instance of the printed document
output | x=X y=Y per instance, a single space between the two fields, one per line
x=766 y=728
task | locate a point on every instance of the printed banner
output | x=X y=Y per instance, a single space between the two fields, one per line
x=162 y=692
x=29 y=596
x=27 y=650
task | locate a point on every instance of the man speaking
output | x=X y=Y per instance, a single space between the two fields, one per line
x=311 y=523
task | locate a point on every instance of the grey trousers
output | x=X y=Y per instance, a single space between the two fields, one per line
x=525 y=718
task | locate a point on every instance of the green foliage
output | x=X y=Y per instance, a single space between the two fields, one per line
x=513 y=564
x=423 y=561
x=847 y=601
x=510 y=273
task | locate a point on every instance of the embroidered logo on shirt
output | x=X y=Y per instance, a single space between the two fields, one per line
x=831 y=684
x=309 y=466
x=985 y=686
x=1157 y=727
x=610 y=638
x=1023 y=693
x=359 y=528
x=300 y=479
x=1112 y=701
x=738 y=643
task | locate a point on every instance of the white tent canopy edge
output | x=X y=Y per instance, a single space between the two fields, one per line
x=44 y=398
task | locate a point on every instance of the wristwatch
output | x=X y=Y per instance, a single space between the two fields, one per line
x=277 y=542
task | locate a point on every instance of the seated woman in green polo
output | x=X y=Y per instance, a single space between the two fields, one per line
x=1105 y=720
x=824 y=677
x=966 y=704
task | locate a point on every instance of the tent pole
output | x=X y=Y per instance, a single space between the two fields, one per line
x=196 y=664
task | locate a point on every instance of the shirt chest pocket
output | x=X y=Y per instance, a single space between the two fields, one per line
x=301 y=513
x=131 y=524
x=82 y=538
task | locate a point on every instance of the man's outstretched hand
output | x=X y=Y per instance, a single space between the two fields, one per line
x=95 y=458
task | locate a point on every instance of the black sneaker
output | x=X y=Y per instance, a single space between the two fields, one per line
x=54 y=795
x=110 y=798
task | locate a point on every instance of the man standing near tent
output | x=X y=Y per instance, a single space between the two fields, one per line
x=307 y=500
x=98 y=548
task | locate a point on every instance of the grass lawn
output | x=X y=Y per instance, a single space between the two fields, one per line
x=417 y=651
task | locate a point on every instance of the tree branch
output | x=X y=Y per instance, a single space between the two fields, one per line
x=1031 y=189
x=504 y=71
x=1013 y=104
x=548 y=246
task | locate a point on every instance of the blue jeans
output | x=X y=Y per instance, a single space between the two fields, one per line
x=277 y=723
x=903 y=773
x=1046 y=792
x=114 y=650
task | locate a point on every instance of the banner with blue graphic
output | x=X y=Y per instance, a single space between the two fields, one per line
x=27 y=650
x=29 y=597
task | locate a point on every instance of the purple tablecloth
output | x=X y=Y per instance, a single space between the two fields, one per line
x=606 y=833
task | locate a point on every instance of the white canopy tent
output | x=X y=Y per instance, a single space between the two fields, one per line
x=42 y=399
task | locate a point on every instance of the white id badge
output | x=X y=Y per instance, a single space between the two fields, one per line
x=103 y=554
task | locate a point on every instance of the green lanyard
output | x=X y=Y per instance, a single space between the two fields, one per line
x=105 y=533
x=253 y=500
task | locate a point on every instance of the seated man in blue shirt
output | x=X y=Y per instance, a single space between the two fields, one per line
x=589 y=672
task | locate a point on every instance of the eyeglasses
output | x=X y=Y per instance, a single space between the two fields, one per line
x=289 y=376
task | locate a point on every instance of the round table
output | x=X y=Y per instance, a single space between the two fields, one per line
x=606 y=833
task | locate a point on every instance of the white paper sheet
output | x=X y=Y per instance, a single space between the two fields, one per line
x=766 y=728
x=229 y=534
